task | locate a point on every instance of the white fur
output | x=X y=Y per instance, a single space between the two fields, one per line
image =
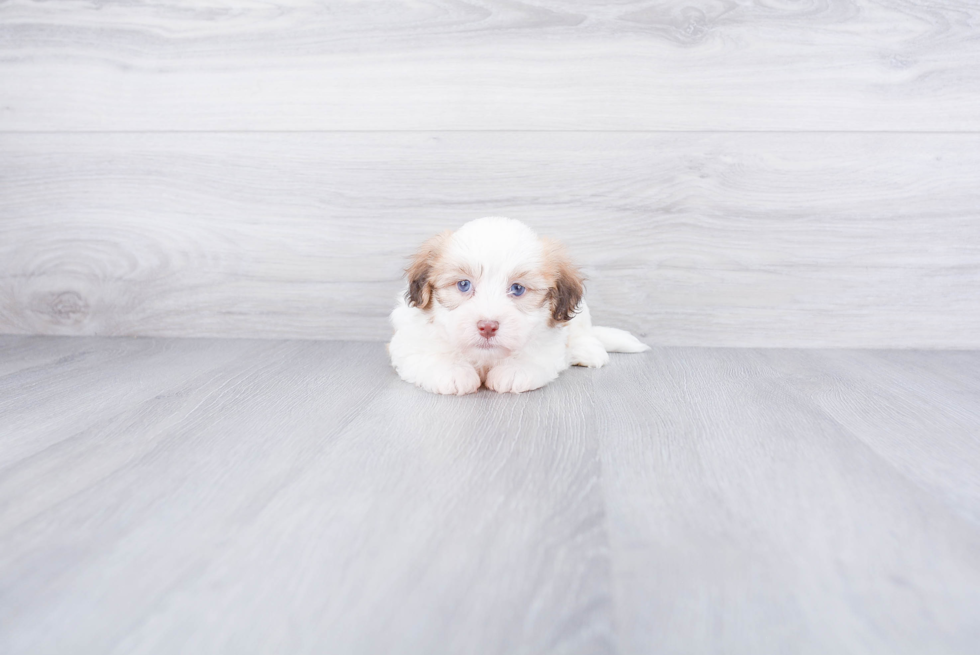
x=441 y=349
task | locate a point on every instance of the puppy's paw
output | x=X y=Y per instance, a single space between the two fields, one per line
x=507 y=378
x=587 y=352
x=456 y=380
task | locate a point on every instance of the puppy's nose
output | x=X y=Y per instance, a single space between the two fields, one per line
x=487 y=328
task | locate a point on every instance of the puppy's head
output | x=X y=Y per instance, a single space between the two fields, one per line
x=492 y=284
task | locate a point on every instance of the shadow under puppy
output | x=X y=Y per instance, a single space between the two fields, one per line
x=494 y=304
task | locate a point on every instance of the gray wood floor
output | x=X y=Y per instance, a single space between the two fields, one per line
x=231 y=496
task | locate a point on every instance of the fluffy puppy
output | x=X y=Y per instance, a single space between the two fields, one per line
x=494 y=304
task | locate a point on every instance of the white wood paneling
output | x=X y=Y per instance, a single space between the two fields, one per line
x=688 y=238
x=449 y=65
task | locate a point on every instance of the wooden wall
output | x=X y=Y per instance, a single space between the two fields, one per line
x=778 y=173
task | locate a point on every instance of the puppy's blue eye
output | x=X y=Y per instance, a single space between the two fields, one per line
x=516 y=289
x=463 y=285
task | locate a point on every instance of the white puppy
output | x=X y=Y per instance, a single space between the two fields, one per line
x=494 y=304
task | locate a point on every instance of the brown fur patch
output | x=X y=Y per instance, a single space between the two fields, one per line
x=422 y=269
x=567 y=284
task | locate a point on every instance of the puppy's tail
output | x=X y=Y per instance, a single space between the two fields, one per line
x=618 y=341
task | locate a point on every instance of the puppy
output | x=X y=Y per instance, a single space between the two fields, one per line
x=494 y=304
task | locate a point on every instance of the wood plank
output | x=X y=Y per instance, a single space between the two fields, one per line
x=754 y=505
x=856 y=240
x=901 y=406
x=296 y=497
x=284 y=496
x=442 y=65
x=103 y=376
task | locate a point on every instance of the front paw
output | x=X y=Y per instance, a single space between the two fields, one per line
x=457 y=380
x=514 y=379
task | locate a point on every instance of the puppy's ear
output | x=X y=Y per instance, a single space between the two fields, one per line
x=419 y=272
x=567 y=286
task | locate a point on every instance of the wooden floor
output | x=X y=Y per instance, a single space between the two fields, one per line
x=227 y=496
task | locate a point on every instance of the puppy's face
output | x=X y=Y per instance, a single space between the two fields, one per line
x=492 y=284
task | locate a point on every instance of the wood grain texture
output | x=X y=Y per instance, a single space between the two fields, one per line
x=227 y=496
x=777 y=501
x=240 y=496
x=446 y=65
x=857 y=240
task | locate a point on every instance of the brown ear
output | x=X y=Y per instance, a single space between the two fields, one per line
x=419 y=272
x=567 y=287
